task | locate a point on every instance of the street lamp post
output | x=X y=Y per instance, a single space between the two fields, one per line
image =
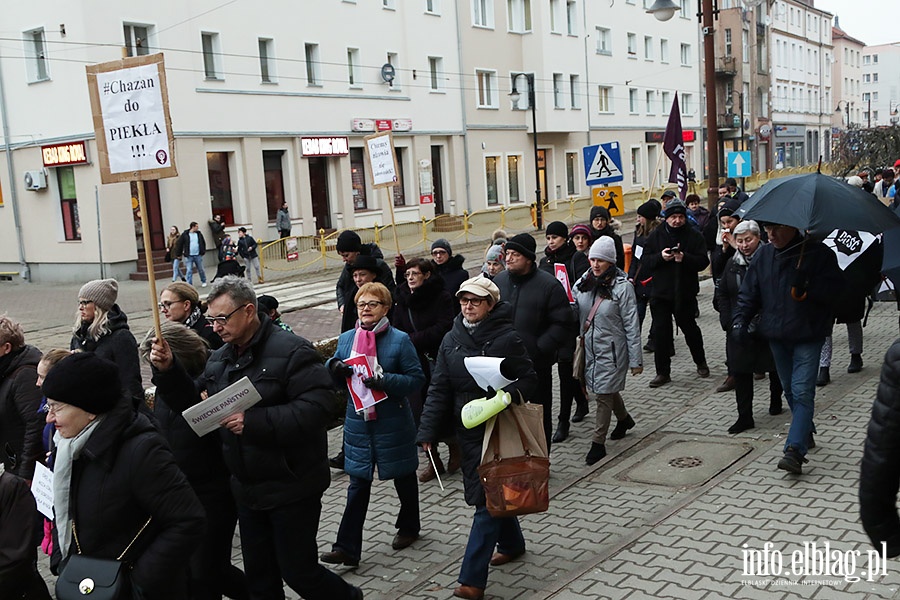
x=729 y=105
x=664 y=10
x=514 y=96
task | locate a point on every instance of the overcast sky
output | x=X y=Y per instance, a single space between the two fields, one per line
x=870 y=21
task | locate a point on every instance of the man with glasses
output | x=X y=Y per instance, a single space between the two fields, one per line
x=180 y=303
x=791 y=287
x=277 y=449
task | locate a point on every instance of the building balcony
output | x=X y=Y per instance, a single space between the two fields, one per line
x=726 y=66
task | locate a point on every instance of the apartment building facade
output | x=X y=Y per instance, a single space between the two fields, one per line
x=848 y=76
x=881 y=85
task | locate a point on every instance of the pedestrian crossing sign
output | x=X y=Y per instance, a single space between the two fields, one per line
x=611 y=198
x=602 y=164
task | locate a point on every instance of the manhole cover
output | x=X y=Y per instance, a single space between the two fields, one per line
x=679 y=461
x=685 y=462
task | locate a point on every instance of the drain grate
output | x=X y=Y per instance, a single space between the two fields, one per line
x=686 y=462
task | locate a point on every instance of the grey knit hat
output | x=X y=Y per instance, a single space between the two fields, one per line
x=102 y=292
x=443 y=244
x=604 y=249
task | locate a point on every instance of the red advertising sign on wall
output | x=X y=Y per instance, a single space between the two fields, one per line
x=384 y=125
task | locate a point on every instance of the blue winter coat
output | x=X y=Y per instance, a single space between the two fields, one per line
x=390 y=440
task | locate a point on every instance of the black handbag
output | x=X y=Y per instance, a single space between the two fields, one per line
x=96 y=578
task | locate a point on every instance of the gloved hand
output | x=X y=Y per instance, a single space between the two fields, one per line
x=399 y=261
x=740 y=335
x=340 y=370
x=374 y=383
x=799 y=285
x=515 y=397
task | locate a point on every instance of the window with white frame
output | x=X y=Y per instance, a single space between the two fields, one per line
x=874 y=59
x=436 y=73
x=137 y=39
x=211 y=52
x=353 y=67
x=389 y=4
x=874 y=77
x=635 y=166
x=650 y=99
x=867 y=59
x=483 y=13
x=687 y=104
x=685 y=9
x=433 y=7
x=36 y=67
x=664 y=51
x=728 y=42
x=571 y=173
x=574 y=92
x=556 y=16
x=665 y=102
x=745 y=46
x=490 y=180
x=604 y=41
x=866 y=97
x=558 y=101
x=513 y=162
x=266 y=60
x=313 y=66
x=632 y=101
x=488 y=93
x=571 y=17
x=685 y=55
x=648 y=47
x=632 y=45
x=867 y=78
x=518 y=15
x=604 y=99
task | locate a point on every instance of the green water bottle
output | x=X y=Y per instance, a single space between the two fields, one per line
x=478 y=411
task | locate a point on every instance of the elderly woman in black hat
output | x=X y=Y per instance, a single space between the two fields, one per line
x=117 y=492
x=101 y=327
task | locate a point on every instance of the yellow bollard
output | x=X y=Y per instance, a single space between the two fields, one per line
x=466 y=224
x=424 y=234
x=322 y=246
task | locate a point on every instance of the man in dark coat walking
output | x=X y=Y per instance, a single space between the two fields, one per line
x=21 y=424
x=543 y=316
x=276 y=450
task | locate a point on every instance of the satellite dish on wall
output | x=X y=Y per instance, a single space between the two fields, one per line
x=388 y=73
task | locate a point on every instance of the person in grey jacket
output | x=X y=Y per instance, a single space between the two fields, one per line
x=612 y=341
x=283 y=221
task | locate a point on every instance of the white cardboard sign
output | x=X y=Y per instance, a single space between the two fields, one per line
x=42 y=490
x=206 y=416
x=382 y=160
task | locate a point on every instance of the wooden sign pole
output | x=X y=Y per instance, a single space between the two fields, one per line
x=148 y=256
x=390 y=203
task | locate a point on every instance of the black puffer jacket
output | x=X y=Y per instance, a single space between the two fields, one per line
x=426 y=315
x=346 y=289
x=452 y=387
x=21 y=425
x=282 y=456
x=453 y=273
x=125 y=474
x=767 y=291
x=118 y=346
x=542 y=315
x=576 y=262
x=880 y=474
x=673 y=280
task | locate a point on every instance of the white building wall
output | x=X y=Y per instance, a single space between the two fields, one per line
x=884 y=93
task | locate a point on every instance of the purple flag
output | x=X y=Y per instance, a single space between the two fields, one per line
x=673 y=146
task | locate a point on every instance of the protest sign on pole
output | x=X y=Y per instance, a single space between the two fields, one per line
x=130 y=110
x=382 y=160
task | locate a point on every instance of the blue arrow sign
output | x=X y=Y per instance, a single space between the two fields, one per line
x=739 y=164
x=602 y=164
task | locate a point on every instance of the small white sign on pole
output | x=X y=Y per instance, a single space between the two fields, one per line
x=42 y=490
x=382 y=160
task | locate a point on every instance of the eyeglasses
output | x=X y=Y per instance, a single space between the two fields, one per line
x=413 y=274
x=52 y=408
x=223 y=320
x=371 y=305
x=473 y=301
x=438 y=251
x=85 y=302
x=165 y=304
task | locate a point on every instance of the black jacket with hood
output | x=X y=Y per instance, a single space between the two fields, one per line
x=21 y=425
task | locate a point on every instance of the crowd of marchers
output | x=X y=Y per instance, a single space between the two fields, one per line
x=132 y=481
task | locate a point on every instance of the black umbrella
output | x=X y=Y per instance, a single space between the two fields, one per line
x=890 y=265
x=818 y=204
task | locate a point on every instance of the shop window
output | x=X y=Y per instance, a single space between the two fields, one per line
x=512 y=163
x=68 y=202
x=220 y=185
x=358 y=179
x=490 y=176
x=398 y=192
x=571 y=173
x=274 y=181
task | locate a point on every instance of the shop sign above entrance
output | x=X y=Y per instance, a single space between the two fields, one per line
x=64 y=155
x=325 y=146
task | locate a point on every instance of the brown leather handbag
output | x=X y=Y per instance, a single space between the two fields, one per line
x=515 y=485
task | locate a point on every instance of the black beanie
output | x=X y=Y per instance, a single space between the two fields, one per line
x=366 y=262
x=558 y=228
x=599 y=211
x=729 y=207
x=349 y=241
x=524 y=244
x=675 y=207
x=649 y=209
x=84 y=380
x=267 y=302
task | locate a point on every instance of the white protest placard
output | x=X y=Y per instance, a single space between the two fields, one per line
x=206 y=416
x=382 y=159
x=130 y=107
x=42 y=490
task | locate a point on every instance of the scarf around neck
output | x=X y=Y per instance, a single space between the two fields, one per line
x=364 y=344
x=67 y=452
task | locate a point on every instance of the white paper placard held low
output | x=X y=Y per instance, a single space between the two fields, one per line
x=206 y=416
x=42 y=489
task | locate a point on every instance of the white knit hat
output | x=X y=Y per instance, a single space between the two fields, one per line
x=604 y=249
